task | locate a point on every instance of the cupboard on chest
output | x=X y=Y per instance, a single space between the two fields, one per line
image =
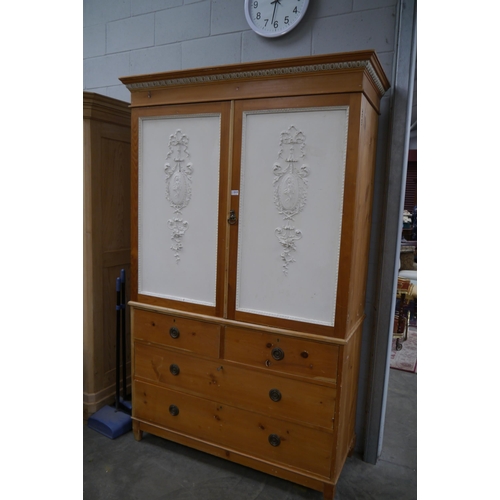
x=251 y=206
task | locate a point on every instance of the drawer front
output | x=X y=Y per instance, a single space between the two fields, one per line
x=187 y=334
x=249 y=389
x=281 y=353
x=252 y=434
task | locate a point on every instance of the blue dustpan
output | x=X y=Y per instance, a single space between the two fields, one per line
x=110 y=422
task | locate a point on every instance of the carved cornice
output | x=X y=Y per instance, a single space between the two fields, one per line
x=104 y=108
x=260 y=73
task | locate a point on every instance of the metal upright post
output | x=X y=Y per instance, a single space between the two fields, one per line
x=118 y=315
x=124 y=336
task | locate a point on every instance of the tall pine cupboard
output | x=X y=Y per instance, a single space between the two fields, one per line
x=251 y=206
x=106 y=239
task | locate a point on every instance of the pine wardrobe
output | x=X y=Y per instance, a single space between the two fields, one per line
x=251 y=206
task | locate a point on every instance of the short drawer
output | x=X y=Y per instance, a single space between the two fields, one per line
x=187 y=334
x=235 y=429
x=246 y=388
x=281 y=353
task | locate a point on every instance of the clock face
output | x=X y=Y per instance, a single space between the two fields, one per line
x=271 y=18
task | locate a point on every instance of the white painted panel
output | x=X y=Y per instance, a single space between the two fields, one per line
x=298 y=281
x=184 y=194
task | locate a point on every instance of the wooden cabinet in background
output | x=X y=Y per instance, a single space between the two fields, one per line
x=251 y=207
x=106 y=237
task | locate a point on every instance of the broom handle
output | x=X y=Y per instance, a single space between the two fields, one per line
x=118 y=308
x=124 y=335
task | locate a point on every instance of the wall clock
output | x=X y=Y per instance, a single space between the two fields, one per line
x=272 y=18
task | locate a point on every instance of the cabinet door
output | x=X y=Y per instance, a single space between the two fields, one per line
x=292 y=163
x=181 y=179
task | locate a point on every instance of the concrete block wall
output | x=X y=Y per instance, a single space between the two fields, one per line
x=129 y=37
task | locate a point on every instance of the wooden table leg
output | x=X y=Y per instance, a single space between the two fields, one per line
x=136 y=430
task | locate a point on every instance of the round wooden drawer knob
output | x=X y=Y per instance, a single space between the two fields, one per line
x=274 y=440
x=174 y=369
x=174 y=332
x=173 y=410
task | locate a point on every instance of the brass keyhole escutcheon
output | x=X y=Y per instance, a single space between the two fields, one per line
x=174 y=332
x=232 y=218
x=277 y=353
x=274 y=440
x=275 y=395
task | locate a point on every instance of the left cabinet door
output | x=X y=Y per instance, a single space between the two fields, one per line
x=179 y=195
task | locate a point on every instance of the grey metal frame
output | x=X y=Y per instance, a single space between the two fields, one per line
x=389 y=236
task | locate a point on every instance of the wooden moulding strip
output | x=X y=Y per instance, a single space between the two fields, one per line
x=106 y=109
x=308 y=479
x=237 y=324
x=361 y=60
x=354 y=328
x=92 y=402
x=97 y=398
x=296 y=85
x=348 y=72
x=227 y=246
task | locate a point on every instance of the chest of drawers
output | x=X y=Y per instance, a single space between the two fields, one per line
x=251 y=198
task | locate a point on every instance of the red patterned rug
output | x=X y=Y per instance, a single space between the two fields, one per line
x=406 y=358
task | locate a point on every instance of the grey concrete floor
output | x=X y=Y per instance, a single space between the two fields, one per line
x=156 y=469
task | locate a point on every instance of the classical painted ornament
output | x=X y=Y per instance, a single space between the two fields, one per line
x=290 y=190
x=178 y=178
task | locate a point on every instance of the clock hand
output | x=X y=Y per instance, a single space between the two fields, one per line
x=275 y=2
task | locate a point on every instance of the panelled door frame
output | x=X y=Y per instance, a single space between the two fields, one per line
x=224 y=109
x=353 y=102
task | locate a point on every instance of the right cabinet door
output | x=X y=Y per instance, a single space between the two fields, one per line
x=290 y=169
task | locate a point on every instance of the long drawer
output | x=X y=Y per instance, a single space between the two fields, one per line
x=182 y=333
x=253 y=434
x=251 y=389
x=281 y=353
